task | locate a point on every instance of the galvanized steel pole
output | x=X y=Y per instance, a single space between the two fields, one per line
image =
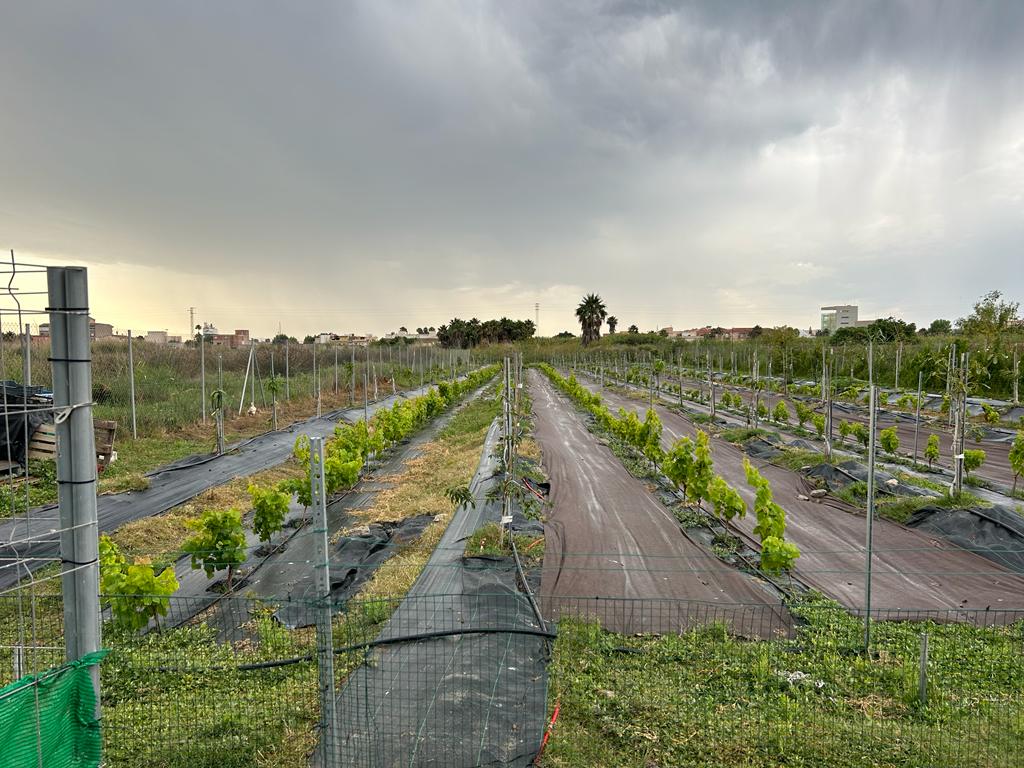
x=873 y=409
x=131 y=381
x=68 y=296
x=329 y=737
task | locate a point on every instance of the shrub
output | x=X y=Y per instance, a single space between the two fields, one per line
x=137 y=594
x=890 y=441
x=780 y=413
x=991 y=414
x=219 y=542
x=931 y=450
x=973 y=458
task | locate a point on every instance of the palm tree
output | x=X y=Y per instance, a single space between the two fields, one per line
x=612 y=322
x=591 y=313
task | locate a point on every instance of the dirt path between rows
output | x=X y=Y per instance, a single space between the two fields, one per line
x=614 y=552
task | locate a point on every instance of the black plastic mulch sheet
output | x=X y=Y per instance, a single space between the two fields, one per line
x=996 y=533
x=354 y=559
x=474 y=696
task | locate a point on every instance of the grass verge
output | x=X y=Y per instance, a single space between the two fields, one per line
x=705 y=698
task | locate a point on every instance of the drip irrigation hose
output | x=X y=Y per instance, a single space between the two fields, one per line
x=415 y=638
x=526 y=586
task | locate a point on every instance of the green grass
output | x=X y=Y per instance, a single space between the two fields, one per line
x=705 y=698
x=900 y=508
x=40 y=488
x=740 y=434
x=797 y=458
x=489 y=541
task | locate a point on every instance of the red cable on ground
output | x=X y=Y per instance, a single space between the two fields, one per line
x=547 y=733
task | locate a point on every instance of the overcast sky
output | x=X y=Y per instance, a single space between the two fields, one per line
x=357 y=166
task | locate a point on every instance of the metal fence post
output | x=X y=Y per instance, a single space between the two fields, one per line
x=131 y=382
x=68 y=294
x=27 y=357
x=202 y=373
x=324 y=629
x=922 y=675
x=917 y=414
x=287 y=378
x=872 y=415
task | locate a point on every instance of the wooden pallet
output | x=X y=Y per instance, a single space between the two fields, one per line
x=44 y=442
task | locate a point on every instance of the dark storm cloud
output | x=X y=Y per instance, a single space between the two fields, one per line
x=755 y=157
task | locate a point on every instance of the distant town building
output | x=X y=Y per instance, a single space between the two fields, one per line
x=841 y=316
x=156 y=337
x=709 y=332
x=348 y=339
x=236 y=340
x=96 y=330
x=418 y=338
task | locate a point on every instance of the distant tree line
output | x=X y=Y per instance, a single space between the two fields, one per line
x=464 y=334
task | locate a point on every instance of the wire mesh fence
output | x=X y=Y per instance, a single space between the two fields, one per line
x=467 y=680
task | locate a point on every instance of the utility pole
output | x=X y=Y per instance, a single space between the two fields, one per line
x=191 y=318
x=68 y=298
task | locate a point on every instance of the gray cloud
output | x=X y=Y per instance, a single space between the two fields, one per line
x=714 y=162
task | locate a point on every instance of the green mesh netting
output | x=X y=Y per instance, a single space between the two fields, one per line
x=51 y=715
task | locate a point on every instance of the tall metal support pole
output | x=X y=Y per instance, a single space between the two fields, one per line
x=252 y=391
x=711 y=388
x=335 y=369
x=872 y=394
x=950 y=368
x=899 y=359
x=273 y=393
x=917 y=414
x=202 y=374
x=826 y=394
x=27 y=358
x=1017 y=374
x=131 y=384
x=68 y=295
x=366 y=389
x=352 y=365
x=959 y=404
x=245 y=381
x=329 y=741
x=220 y=410
x=287 y=377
